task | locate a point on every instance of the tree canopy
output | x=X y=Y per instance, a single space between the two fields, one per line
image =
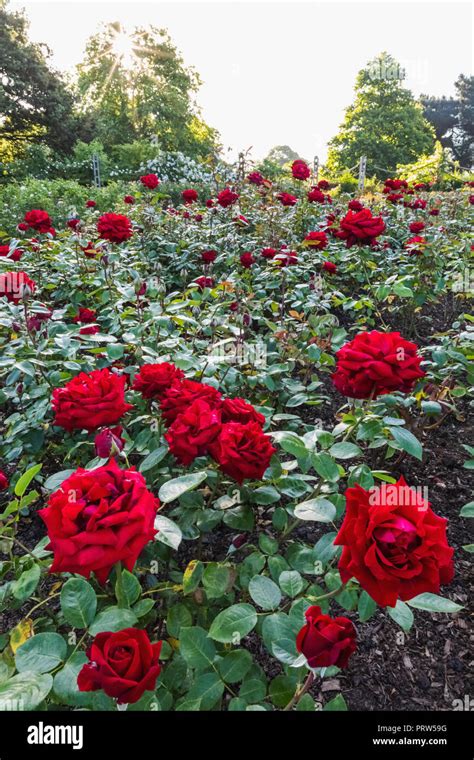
x=453 y=119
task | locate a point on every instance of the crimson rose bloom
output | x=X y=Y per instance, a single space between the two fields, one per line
x=150 y=181
x=123 y=664
x=300 y=169
x=316 y=240
x=97 y=518
x=91 y=204
x=154 y=379
x=286 y=199
x=89 y=330
x=269 y=253
x=417 y=227
x=86 y=316
x=182 y=393
x=208 y=256
x=255 y=178
x=15 y=286
x=13 y=255
x=316 y=196
x=360 y=227
x=109 y=442
x=3 y=481
x=416 y=244
x=193 y=430
x=239 y=410
x=375 y=363
x=242 y=451
x=394 y=544
x=114 y=227
x=326 y=641
x=129 y=199
x=329 y=267
x=227 y=197
x=323 y=184
x=355 y=205
x=246 y=259
x=89 y=401
x=189 y=196
x=73 y=223
x=38 y=220
x=204 y=282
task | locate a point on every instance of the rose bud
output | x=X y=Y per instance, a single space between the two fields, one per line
x=141 y=289
x=246 y=259
x=3 y=481
x=329 y=267
x=109 y=442
x=239 y=540
x=326 y=641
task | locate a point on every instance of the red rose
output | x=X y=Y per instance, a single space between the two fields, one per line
x=208 y=256
x=210 y=203
x=286 y=199
x=114 y=227
x=85 y=316
x=3 y=481
x=316 y=196
x=129 y=199
x=89 y=330
x=150 y=181
x=35 y=322
x=239 y=410
x=435 y=211
x=330 y=267
x=471 y=199
x=418 y=203
x=198 y=217
x=38 y=220
x=286 y=258
x=323 y=184
x=153 y=380
x=13 y=255
x=123 y=664
x=269 y=253
x=300 y=169
x=394 y=544
x=89 y=401
x=316 y=240
x=255 y=178
x=16 y=286
x=326 y=641
x=396 y=184
x=189 y=196
x=97 y=518
x=109 y=442
x=23 y=227
x=89 y=250
x=416 y=244
x=355 y=205
x=242 y=451
x=193 y=430
x=91 y=204
x=395 y=198
x=204 y=282
x=227 y=198
x=73 y=223
x=416 y=227
x=241 y=220
x=246 y=259
x=375 y=363
x=360 y=227
x=182 y=393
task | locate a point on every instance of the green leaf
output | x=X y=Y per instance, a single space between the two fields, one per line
x=317 y=510
x=338 y=703
x=208 y=689
x=113 y=619
x=154 y=458
x=65 y=682
x=232 y=624
x=216 y=579
x=192 y=576
x=402 y=615
x=291 y=583
x=235 y=665
x=433 y=603
x=78 y=602
x=54 y=481
x=266 y=495
x=178 y=617
x=41 y=653
x=24 y=481
x=168 y=532
x=326 y=467
x=175 y=488
x=196 y=647
x=264 y=592
x=467 y=510
x=26 y=584
x=407 y=442
x=366 y=607
x=25 y=691
x=282 y=689
x=345 y=450
x=127 y=589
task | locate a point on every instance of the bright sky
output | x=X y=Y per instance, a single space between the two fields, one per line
x=277 y=72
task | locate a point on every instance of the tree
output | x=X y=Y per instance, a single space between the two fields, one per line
x=281 y=154
x=384 y=123
x=35 y=104
x=139 y=88
x=453 y=119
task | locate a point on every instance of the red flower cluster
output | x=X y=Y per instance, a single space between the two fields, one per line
x=316 y=196
x=208 y=256
x=150 y=181
x=326 y=641
x=38 y=220
x=247 y=259
x=286 y=199
x=360 y=227
x=394 y=544
x=123 y=664
x=89 y=401
x=97 y=518
x=227 y=197
x=375 y=363
x=330 y=267
x=114 y=227
x=300 y=169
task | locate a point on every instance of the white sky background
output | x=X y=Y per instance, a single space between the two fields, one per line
x=277 y=72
